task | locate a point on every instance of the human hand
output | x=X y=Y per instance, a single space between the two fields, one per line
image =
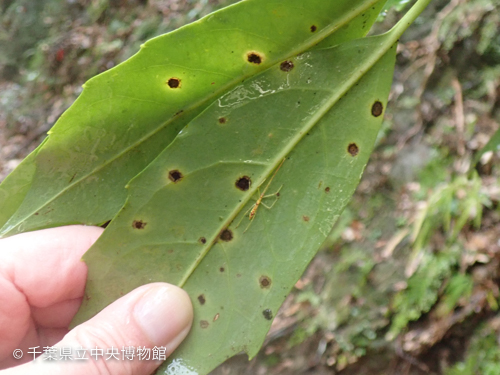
x=42 y=282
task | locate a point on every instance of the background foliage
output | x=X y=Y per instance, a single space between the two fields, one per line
x=408 y=282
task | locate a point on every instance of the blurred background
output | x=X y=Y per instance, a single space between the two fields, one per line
x=408 y=281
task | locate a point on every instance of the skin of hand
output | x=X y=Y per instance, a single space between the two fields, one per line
x=42 y=283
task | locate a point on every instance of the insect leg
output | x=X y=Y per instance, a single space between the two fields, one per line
x=272 y=195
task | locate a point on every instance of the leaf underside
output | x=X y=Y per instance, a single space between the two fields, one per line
x=323 y=116
x=126 y=116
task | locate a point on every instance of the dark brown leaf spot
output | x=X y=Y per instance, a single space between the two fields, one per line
x=222 y=120
x=254 y=58
x=36 y=214
x=286 y=66
x=268 y=314
x=139 y=224
x=203 y=240
x=174 y=83
x=175 y=175
x=353 y=149
x=313 y=28
x=377 y=108
x=204 y=324
x=243 y=183
x=305 y=218
x=226 y=235
x=222 y=269
x=201 y=299
x=327 y=189
x=265 y=282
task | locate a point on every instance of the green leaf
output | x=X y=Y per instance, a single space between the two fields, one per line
x=20 y=179
x=185 y=221
x=126 y=116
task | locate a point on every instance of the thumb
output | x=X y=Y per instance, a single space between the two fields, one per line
x=152 y=319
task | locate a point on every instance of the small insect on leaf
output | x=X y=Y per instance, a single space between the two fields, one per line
x=253 y=209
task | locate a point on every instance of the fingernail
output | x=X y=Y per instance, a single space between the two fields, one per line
x=165 y=314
